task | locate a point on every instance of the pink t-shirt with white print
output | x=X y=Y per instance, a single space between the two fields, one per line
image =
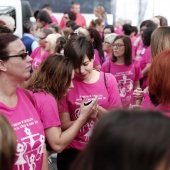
x=48 y=109
x=108 y=98
x=38 y=58
x=126 y=77
x=29 y=131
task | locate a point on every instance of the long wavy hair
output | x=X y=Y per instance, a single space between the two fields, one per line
x=53 y=76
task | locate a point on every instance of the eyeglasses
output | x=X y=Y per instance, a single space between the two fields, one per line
x=23 y=56
x=66 y=17
x=117 y=45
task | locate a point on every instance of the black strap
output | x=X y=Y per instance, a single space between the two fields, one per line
x=105 y=80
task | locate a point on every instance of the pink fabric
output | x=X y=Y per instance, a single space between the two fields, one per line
x=144 y=60
x=29 y=131
x=37 y=58
x=62 y=23
x=133 y=46
x=97 y=60
x=146 y=103
x=54 y=19
x=126 y=77
x=108 y=98
x=118 y=31
x=80 y=20
x=139 y=49
x=48 y=109
x=107 y=56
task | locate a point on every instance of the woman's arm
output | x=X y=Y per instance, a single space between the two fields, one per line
x=146 y=69
x=59 y=140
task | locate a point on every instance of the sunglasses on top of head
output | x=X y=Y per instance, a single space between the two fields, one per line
x=23 y=56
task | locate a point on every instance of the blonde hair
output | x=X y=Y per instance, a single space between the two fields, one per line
x=52 y=38
x=101 y=11
x=160 y=40
x=110 y=37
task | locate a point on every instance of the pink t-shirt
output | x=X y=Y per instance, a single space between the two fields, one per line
x=48 y=110
x=80 y=20
x=108 y=98
x=97 y=60
x=37 y=57
x=126 y=77
x=146 y=103
x=144 y=60
x=29 y=131
x=107 y=56
x=54 y=19
x=139 y=50
x=118 y=31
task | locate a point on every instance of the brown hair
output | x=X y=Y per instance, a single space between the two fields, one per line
x=8 y=143
x=53 y=76
x=128 y=49
x=5 y=39
x=160 y=40
x=159 y=81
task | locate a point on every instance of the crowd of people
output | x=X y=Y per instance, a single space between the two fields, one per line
x=97 y=94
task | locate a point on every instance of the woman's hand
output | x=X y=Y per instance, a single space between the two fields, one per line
x=138 y=94
x=89 y=110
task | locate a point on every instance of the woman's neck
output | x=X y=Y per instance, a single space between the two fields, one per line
x=120 y=60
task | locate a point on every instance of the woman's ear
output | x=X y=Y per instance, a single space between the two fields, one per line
x=2 y=66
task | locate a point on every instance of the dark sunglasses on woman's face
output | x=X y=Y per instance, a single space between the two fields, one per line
x=23 y=56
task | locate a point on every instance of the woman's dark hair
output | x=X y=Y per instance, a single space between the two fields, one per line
x=43 y=16
x=72 y=25
x=77 y=47
x=128 y=49
x=111 y=27
x=148 y=23
x=146 y=36
x=127 y=140
x=71 y=15
x=5 y=39
x=128 y=29
x=60 y=43
x=97 y=42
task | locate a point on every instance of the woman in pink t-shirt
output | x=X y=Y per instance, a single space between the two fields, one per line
x=39 y=54
x=88 y=83
x=51 y=81
x=15 y=66
x=126 y=72
x=97 y=44
x=145 y=60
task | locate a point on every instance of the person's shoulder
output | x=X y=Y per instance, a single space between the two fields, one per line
x=43 y=95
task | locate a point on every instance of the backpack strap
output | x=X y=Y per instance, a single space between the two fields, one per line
x=29 y=96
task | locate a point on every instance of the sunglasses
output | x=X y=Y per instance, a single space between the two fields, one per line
x=23 y=56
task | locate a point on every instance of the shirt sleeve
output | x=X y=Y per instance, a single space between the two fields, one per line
x=48 y=110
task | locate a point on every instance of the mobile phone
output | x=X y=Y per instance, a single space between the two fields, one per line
x=87 y=103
